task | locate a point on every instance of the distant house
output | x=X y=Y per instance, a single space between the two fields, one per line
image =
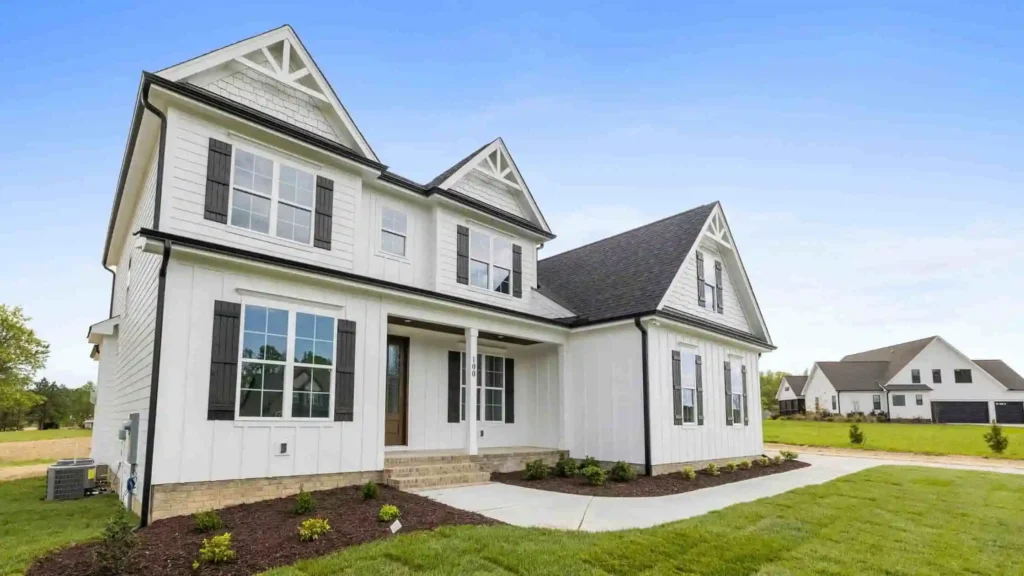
x=791 y=395
x=926 y=378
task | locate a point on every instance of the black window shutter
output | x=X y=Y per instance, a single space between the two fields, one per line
x=345 y=372
x=700 y=279
x=218 y=179
x=700 y=392
x=728 y=393
x=224 y=360
x=510 y=391
x=454 y=387
x=322 y=223
x=718 y=287
x=479 y=384
x=677 y=389
x=462 y=250
x=517 y=271
x=746 y=417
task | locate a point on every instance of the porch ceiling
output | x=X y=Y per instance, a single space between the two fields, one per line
x=455 y=330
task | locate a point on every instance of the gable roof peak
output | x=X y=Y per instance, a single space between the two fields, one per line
x=440 y=178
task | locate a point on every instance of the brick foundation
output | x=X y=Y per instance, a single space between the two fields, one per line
x=659 y=469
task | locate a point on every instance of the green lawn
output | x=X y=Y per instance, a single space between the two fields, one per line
x=29 y=526
x=32 y=435
x=889 y=520
x=920 y=438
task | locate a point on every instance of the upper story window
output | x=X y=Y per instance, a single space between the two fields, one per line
x=936 y=376
x=281 y=205
x=490 y=262
x=394 y=226
x=915 y=376
x=962 y=376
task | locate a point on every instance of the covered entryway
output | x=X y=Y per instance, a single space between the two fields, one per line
x=1010 y=412
x=960 y=412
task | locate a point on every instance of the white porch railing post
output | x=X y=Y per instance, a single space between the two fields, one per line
x=471 y=376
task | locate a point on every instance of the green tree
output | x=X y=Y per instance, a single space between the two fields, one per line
x=770 y=382
x=55 y=408
x=22 y=354
x=80 y=406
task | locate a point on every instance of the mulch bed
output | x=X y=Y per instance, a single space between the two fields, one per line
x=646 y=485
x=265 y=534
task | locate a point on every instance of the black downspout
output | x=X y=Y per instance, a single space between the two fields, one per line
x=648 y=469
x=113 y=285
x=154 y=385
x=839 y=404
x=160 y=156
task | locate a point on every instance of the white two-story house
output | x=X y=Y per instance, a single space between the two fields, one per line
x=287 y=310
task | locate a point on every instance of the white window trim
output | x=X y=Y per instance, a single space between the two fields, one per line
x=482 y=370
x=275 y=197
x=684 y=351
x=710 y=304
x=409 y=226
x=289 y=363
x=736 y=365
x=477 y=229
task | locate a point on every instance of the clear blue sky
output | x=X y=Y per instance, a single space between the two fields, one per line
x=870 y=158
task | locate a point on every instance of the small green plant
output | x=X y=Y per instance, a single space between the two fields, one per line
x=996 y=440
x=313 y=528
x=776 y=461
x=788 y=456
x=304 y=503
x=118 y=543
x=712 y=469
x=745 y=464
x=595 y=475
x=388 y=513
x=216 y=550
x=369 y=490
x=689 y=473
x=730 y=467
x=536 y=470
x=856 y=435
x=622 y=472
x=207 y=521
x=761 y=460
x=588 y=462
x=566 y=467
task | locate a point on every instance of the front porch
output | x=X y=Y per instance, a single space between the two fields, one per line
x=426 y=469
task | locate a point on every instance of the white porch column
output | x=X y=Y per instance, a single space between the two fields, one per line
x=471 y=371
x=564 y=385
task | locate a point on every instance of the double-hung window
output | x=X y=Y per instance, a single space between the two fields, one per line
x=962 y=376
x=737 y=391
x=919 y=399
x=287 y=363
x=490 y=262
x=689 y=385
x=915 y=376
x=936 y=376
x=876 y=402
x=271 y=197
x=490 y=392
x=394 y=226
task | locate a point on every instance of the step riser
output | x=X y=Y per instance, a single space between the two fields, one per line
x=428 y=482
x=432 y=470
x=428 y=460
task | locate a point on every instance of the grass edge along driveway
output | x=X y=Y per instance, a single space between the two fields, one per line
x=890 y=519
x=940 y=439
x=37 y=435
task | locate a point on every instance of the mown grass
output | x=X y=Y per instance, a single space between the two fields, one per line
x=888 y=520
x=30 y=526
x=34 y=435
x=920 y=438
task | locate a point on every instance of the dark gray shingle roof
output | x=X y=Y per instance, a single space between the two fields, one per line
x=849 y=376
x=1001 y=371
x=625 y=274
x=455 y=168
x=897 y=356
x=796 y=383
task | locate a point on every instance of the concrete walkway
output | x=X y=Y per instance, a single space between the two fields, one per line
x=538 y=508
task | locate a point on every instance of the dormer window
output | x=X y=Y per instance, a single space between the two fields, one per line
x=490 y=262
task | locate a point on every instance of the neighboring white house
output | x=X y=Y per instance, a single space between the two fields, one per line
x=926 y=378
x=286 y=307
x=790 y=395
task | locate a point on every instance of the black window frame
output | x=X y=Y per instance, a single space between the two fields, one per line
x=958 y=376
x=915 y=376
x=876 y=402
x=899 y=400
x=919 y=399
x=936 y=376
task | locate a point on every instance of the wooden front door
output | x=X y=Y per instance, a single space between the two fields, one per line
x=396 y=392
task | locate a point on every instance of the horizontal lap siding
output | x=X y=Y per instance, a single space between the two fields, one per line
x=682 y=295
x=715 y=439
x=492 y=192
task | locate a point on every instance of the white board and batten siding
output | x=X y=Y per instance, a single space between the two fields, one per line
x=416 y=267
x=682 y=294
x=818 y=391
x=715 y=439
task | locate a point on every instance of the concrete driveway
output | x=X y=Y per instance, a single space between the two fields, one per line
x=538 y=508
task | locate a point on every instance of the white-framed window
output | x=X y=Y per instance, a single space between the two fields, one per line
x=710 y=294
x=287 y=363
x=835 y=403
x=915 y=376
x=919 y=399
x=688 y=371
x=490 y=388
x=737 y=391
x=490 y=262
x=394 y=231
x=876 y=402
x=899 y=400
x=271 y=197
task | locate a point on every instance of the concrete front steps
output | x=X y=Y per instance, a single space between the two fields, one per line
x=426 y=470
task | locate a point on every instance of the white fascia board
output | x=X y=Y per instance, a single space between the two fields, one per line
x=483 y=217
x=102 y=329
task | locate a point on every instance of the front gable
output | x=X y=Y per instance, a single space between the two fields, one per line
x=941 y=355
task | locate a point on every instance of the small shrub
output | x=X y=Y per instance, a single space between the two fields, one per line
x=745 y=464
x=313 y=528
x=207 y=521
x=996 y=440
x=536 y=470
x=856 y=435
x=730 y=467
x=761 y=460
x=712 y=469
x=304 y=502
x=588 y=462
x=369 y=490
x=595 y=475
x=689 y=473
x=566 y=467
x=216 y=550
x=622 y=472
x=776 y=461
x=388 y=513
x=787 y=455
x=119 y=541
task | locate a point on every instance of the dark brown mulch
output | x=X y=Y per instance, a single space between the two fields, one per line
x=265 y=534
x=646 y=485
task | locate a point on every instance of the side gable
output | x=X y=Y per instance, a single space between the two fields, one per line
x=740 y=309
x=272 y=72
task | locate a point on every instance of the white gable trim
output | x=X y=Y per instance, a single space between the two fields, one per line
x=292 y=48
x=716 y=227
x=500 y=173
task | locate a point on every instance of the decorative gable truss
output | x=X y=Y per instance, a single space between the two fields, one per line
x=283 y=79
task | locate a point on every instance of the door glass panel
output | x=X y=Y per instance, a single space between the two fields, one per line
x=394 y=378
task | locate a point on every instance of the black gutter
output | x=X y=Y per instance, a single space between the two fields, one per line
x=154 y=385
x=648 y=468
x=158 y=193
x=839 y=403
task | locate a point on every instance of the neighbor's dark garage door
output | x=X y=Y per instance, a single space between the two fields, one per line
x=960 y=412
x=1010 y=412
